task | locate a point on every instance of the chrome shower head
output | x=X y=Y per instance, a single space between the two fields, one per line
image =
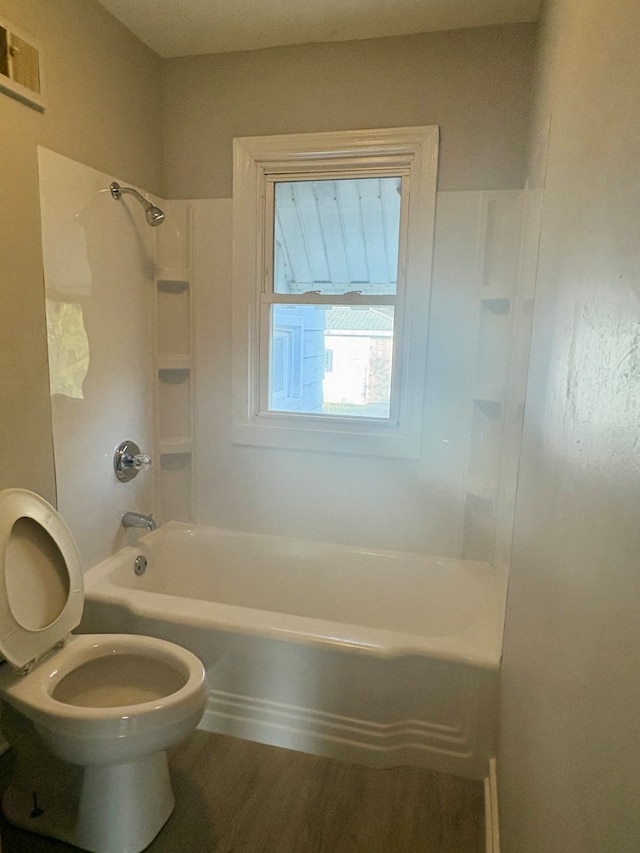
x=154 y=215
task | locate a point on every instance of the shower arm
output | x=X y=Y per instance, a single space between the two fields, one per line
x=154 y=215
x=117 y=190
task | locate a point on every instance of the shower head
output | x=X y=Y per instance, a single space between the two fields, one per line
x=154 y=215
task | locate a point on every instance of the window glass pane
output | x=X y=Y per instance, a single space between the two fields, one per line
x=331 y=359
x=337 y=236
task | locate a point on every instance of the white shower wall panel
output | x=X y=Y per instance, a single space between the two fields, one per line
x=99 y=269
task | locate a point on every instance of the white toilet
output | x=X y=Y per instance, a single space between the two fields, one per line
x=90 y=716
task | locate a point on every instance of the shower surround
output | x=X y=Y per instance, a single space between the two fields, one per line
x=102 y=268
x=144 y=305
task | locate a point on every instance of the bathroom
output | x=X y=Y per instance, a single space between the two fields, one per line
x=566 y=736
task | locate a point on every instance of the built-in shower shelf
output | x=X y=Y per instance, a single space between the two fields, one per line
x=495 y=285
x=172 y=285
x=173 y=363
x=496 y=301
x=479 y=522
x=168 y=446
x=173 y=320
x=482 y=489
x=489 y=403
x=174 y=375
x=166 y=276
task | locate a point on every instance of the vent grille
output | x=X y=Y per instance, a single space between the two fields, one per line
x=4 y=52
x=25 y=62
x=20 y=73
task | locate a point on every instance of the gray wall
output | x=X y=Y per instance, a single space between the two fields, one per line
x=475 y=84
x=103 y=92
x=568 y=768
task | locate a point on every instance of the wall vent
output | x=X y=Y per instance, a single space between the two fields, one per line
x=20 y=72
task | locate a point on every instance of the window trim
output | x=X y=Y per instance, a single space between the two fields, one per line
x=410 y=152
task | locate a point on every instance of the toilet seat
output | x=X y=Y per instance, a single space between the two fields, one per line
x=41 y=585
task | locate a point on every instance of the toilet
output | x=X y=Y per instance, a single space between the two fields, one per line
x=89 y=716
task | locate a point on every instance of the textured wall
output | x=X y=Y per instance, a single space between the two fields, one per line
x=569 y=775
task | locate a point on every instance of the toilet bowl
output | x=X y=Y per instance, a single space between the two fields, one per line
x=90 y=716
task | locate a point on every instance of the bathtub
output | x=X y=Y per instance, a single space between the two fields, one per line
x=379 y=657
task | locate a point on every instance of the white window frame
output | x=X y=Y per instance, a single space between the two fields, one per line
x=410 y=152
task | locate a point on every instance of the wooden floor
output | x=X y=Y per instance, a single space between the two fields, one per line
x=233 y=796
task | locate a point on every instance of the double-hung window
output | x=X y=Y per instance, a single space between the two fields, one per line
x=332 y=253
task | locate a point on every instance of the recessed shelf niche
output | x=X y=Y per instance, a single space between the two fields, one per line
x=174 y=404
x=175 y=486
x=479 y=528
x=486 y=439
x=174 y=319
x=493 y=407
x=174 y=363
x=494 y=334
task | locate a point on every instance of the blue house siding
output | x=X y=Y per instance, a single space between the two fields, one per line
x=297 y=358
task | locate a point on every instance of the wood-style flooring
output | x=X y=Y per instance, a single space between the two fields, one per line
x=233 y=796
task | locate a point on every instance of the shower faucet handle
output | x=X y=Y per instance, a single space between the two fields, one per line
x=128 y=460
x=141 y=462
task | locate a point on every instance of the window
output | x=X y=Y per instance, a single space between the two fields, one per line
x=332 y=260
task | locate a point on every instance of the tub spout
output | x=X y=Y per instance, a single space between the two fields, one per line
x=137 y=519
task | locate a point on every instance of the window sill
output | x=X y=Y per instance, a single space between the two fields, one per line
x=368 y=440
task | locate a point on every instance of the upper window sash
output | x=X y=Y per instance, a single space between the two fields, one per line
x=343 y=179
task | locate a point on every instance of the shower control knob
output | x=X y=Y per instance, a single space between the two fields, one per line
x=141 y=462
x=128 y=460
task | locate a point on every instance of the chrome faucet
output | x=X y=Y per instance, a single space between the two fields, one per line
x=137 y=519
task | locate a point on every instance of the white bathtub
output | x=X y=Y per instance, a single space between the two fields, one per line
x=379 y=657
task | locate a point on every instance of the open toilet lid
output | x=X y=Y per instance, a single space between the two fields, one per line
x=41 y=586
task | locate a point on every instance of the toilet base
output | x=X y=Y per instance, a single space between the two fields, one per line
x=117 y=808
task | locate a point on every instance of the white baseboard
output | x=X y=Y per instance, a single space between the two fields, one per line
x=492 y=826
